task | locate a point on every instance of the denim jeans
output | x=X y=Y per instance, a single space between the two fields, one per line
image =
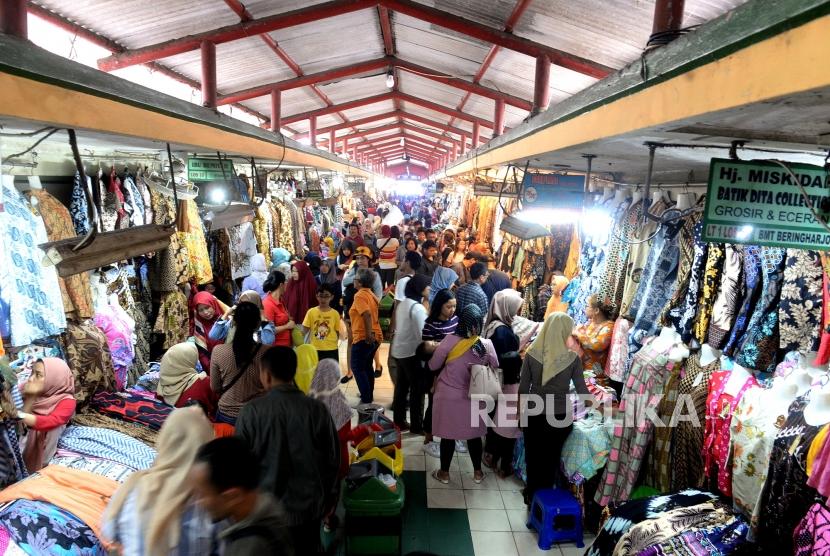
x=363 y=369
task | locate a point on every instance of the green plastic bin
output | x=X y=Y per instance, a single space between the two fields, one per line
x=373 y=518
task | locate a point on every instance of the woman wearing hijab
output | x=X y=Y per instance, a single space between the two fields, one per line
x=453 y=408
x=328 y=275
x=547 y=372
x=279 y=256
x=301 y=291
x=444 y=278
x=313 y=261
x=555 y=304
x=501 y=439
x=410 y=315
x=345 y=256
x=206 y=311
x=258 y=275
x=48 y=404
x=179 y=383
x=155 y=512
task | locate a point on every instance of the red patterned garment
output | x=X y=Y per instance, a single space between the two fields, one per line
x=131 y=408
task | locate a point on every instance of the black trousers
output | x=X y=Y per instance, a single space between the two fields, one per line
x=387 y=276
x=409 y=384
x=429 y=380
x=543 y=453
x=500 y=449
x=306 y=538
x=448 y=449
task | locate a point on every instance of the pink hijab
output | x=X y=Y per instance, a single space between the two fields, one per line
x=58 y=385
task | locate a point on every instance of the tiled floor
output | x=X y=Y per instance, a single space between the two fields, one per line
x=495 y=511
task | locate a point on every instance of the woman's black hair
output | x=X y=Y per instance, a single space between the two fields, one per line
x=415 y=287
x=395 y=232
x=247 y=319
x=275 y=280
x=438 y=302
x=446 y=253
x=412 y=239
x=346 y=244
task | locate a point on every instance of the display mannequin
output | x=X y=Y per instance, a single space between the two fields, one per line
x=708 y=354
x=678 y=353
x=607 y=193
x=636 y=197
x=620 y=196
x=668 y=337
x=736 y=381
x=801 y=378
x=817 y=412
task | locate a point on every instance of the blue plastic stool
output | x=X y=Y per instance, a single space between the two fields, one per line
x=548 y=506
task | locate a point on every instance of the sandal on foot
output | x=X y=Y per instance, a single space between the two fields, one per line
x=439 y=479
x=480 y=479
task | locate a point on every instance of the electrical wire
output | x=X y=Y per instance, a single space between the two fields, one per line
x=36 y=143
x=806 y=197
x=27 y=133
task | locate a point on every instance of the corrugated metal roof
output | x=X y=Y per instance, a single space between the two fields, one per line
x=611 y=32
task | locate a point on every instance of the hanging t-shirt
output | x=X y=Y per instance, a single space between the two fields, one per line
x=323 y=327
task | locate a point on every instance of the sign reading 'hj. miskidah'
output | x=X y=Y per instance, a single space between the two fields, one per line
x=761 y=203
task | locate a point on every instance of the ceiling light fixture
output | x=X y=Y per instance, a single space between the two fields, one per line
x=403 y=141
x=390 y=79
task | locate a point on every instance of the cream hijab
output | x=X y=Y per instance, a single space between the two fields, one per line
x=550 y=346
x=503 y=309
x=178 y=371
x=164 y=489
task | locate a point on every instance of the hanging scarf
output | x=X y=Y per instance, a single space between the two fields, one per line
x=58 y=385
x=503 y=309
x=202 y=327
x=300 y=294
x=443 y=279
x=178 y=371
x=325 y=386
x=550 y=346
x=164 y=489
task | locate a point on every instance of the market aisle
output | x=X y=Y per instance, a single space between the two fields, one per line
x=491 y=515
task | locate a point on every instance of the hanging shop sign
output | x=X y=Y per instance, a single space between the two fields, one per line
x=553 y=191
x=356 y=186
x=760 y=203
x=209 y=169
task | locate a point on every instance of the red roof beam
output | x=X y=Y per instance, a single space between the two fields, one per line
x=396 y=140
x=338 y=107
x=397 y=125
x=412 y=146
x=497 y=37
x=305 y=80
x=440 y=108
x=386 y=31
x=400 y=152
x=233 y=32
x=396 y=114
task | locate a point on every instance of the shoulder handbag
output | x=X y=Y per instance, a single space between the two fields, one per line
x=484 y=382
x=219 y=330
x=241 y=372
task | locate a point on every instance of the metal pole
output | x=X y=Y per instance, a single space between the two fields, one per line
x=647 y=192
x=668 y=16
x=312 y=131
x=541 y=90
x=276 y=110
x=208 y=74
x=498 y=118
x=590 y=158
x=14 y=18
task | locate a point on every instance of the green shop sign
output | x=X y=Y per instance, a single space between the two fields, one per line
x=760 y=203
x=209 y=169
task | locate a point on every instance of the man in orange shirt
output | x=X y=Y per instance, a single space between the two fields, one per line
x=366 y=333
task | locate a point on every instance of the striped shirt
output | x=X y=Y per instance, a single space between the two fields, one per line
x=223 y=370
x=437 y=330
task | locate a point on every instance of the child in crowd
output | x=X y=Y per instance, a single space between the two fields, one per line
x=323 y=322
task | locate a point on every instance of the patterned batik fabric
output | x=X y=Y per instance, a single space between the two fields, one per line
x=30 y=296
x=586 y=450
x=243 y=248
x=107 y=444
x=612 y=284
x=689 y=235
x=730 y=295
x=105 y=468
x=660 y=463
x=721 y=539
x=715 y=257
x=169 y=267
x=617 y=362
x=682 y=316
x=132 y=408
x=135 y=430
x=657 y=285
x=75 y=290
x=173 y=319
x=760 y=348
x=812 y=534
x=632 y=434
x=88 y=355
x=198 y=259
x=78 y=206
x=756 y=421
x=42 y=528
x=135 y=204
x=799 y=310
x=719 y=408
x=12 y=468
x=669 y=525
x=638 y=255
x=786 y=495
x=751 y=293
x=263 y=242
x=625 y=515
x=688 y=437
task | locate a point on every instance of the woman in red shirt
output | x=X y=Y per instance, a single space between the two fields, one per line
x=48 y=404
x=275 y=310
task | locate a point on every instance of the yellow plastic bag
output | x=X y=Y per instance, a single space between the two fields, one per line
x=306 y=366
x=297 y=336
